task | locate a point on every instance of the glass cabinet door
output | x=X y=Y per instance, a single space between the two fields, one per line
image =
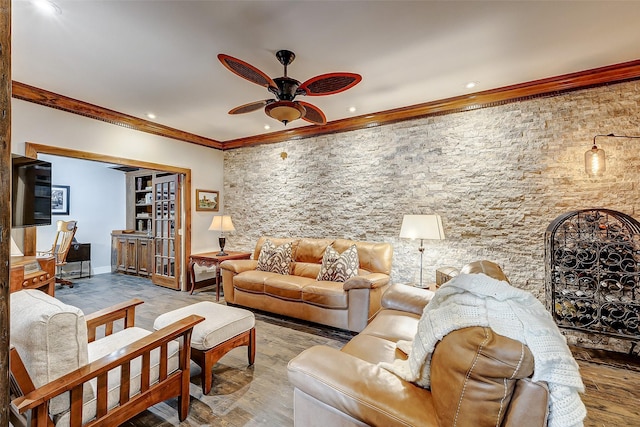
x=166 y=220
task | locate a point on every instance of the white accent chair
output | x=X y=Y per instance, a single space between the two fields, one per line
x=62 y=375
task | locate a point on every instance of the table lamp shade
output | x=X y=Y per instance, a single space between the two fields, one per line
x=221 y=223
x=427 y=227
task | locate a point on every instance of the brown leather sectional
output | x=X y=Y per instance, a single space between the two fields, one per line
x=347 y=388
x=349 y=305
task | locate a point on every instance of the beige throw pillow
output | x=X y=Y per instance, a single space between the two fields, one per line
x=275 y=259
x=339 y=267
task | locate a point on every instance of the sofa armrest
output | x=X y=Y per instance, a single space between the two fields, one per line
x=406 y=298
x=360 y=389
x=239 y=265
x=106 y=317
x=369 y=281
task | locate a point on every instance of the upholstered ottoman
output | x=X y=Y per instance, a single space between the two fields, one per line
x=224 y=329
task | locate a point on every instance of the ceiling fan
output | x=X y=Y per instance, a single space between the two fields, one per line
x=285 y=108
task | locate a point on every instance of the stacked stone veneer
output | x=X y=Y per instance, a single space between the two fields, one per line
x=498 y=176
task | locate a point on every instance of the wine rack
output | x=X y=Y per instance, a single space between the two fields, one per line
x=592 y=272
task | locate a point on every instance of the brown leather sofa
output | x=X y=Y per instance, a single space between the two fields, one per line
x=471 y=384
x=349 y=305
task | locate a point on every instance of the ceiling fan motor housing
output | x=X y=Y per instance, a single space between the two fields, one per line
x=286 y=90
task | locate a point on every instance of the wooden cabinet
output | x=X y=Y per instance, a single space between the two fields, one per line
x=131 y=253
x=144 y=254
x=151 y=246
x=29 y=272
x=140 y=201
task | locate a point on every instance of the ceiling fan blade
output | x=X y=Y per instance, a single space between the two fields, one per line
x=252 y=106
x=246 y=71
x=328 y=84
x=313 y=114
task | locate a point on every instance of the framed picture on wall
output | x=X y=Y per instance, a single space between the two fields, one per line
x=59 y=200
x=207 y=200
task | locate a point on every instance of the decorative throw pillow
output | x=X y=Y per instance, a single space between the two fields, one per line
x=339 y=267
x=275 y=259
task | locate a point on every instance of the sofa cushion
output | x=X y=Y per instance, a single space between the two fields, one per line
x=311 y=250
x=252 y=280
x=373 y=349
x=326 y=294
x=374 y=257
x=338 y=267
x=286 y=287
x=275 y=259
x=51 y=338
x=393 y=325
x=305 y=269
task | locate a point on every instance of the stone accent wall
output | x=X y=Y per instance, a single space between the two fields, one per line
x=498 y=176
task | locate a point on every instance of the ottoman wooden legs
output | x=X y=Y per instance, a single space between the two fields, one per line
x=206 y=359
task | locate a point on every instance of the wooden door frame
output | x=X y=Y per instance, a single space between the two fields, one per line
x=5 y=196
x=33 y=149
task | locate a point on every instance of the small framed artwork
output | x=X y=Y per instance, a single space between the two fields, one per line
x=207 y=200
x=59 y=200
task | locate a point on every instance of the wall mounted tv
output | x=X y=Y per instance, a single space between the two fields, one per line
x=30 y=192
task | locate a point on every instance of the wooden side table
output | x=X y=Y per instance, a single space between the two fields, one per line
x=212 y=259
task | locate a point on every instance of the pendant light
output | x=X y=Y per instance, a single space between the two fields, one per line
x=594 y=159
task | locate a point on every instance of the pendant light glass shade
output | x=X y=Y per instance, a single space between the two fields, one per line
x=594 y=161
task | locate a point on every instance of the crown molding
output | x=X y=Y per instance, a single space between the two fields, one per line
x=60 y=102
x=539 y=88
x=552 y=86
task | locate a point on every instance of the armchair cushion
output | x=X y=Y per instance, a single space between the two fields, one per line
x=50 y=336
x=108 y=345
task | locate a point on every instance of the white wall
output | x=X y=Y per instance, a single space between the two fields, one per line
x=48 y=126
x=96 y=201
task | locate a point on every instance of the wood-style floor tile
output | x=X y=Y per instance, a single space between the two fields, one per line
x=261 y=395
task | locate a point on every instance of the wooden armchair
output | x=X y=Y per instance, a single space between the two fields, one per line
x=61 y=245
x=61 y=375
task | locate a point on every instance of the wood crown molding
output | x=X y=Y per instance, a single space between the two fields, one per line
x=538 y=88
x=551 y=86
x=60 y=102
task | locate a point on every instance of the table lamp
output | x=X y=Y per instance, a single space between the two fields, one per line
x=222 y=223
x=423 y=227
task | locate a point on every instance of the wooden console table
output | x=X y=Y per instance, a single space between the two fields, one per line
x=212 y=259
x=29 y=272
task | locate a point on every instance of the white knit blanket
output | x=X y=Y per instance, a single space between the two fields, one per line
x=479 y=300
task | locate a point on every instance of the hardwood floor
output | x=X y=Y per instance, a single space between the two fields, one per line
x=261 y=395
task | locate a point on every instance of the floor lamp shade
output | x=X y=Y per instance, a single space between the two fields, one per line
x=222 y=223
x=423 y=227
x=427 y=227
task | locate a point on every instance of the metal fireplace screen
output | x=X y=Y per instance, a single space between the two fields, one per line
x=592 y=272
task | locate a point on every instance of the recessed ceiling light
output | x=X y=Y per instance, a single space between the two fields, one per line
x=352 y=109
x=151 y=116
x=267 y=127
x=48 y=7
x=471 y=85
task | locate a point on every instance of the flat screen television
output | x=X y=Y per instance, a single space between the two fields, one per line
x=30 y=192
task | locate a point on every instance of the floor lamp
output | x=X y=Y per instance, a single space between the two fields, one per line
x=222 y=223
x=423 y=227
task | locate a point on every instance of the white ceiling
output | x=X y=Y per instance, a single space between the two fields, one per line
x=159 y=56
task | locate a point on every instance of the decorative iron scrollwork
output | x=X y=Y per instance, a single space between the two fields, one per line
x=592 y=259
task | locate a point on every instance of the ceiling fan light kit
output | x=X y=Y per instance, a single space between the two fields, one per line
x=285 y=108
x=285 y=111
